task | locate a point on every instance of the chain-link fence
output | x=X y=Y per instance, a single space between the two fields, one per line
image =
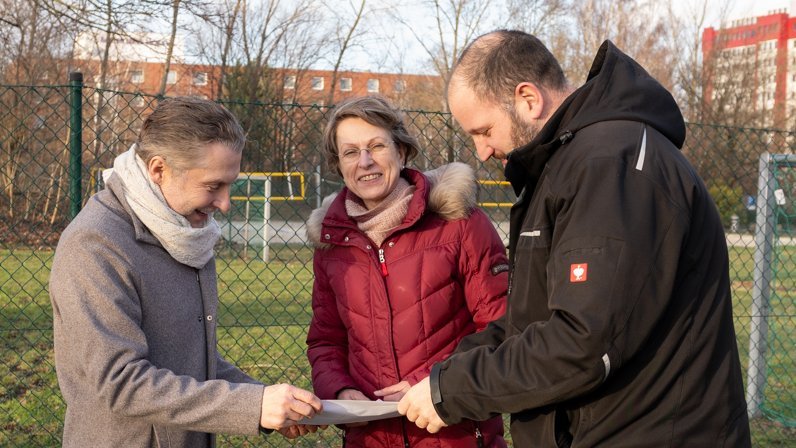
x=55 y=140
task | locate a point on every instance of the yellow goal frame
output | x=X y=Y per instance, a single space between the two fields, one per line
x=499 y=183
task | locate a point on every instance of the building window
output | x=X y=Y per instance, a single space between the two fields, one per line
x=290 y=82
x=317 y=83
x=200 y=78
x=399 y=85
x=345 y=84
x=171 y=78
x=136 y=76
x=373 y=85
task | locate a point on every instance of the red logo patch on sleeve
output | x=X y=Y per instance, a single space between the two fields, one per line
x=578 y=272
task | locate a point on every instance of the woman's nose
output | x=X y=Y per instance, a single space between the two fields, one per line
x=365 y=159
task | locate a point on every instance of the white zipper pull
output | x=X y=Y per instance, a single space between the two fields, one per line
x=383 y=263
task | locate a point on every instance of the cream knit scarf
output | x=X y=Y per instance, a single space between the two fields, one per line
x=390 y=213
x=189 y=246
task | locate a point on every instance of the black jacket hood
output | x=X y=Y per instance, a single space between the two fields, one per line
x=617 y=88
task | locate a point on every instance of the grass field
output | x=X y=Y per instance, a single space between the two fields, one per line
x=264 y=314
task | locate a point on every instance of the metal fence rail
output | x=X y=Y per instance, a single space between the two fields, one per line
x=55 y=140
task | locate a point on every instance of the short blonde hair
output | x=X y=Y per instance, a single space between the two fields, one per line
x=181 y=126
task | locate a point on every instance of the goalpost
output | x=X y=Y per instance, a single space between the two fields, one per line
x=771 y=355
x=493 y=200
x=257 y=187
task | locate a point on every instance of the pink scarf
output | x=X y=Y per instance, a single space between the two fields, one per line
x=389 y=214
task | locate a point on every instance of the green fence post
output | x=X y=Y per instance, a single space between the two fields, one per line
x=75 y=144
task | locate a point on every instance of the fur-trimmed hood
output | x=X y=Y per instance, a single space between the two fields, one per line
x=453 y=192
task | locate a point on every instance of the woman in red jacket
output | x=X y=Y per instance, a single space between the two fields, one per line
x=406 y=265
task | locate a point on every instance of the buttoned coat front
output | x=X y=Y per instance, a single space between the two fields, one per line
x=135 y=339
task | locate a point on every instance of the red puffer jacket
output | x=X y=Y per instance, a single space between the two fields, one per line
x=443 y=275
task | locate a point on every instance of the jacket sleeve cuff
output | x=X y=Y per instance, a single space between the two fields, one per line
x=436 y=394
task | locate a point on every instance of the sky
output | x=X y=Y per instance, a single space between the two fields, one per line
x=750 y=8
x=405 y=54
x=414 y=57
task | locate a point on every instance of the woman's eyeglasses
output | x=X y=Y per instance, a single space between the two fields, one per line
x=352 y=154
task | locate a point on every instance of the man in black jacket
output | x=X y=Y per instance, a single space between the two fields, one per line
x=619 y=327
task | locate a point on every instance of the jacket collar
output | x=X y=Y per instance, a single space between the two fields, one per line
x=449 y=191
x=617 y=88
x=525 y=164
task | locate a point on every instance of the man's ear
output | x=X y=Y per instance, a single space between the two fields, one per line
x=155 y=168
x=528 y=100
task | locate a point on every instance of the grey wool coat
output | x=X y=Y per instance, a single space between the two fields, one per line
x=135 y=339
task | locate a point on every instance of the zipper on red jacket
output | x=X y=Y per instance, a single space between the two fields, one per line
x=383 y=263
x=479 y=438
x=406 y=436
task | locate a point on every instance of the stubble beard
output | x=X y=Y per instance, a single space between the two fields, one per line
x=521 y=132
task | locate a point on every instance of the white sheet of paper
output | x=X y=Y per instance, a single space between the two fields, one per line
x=340 y=412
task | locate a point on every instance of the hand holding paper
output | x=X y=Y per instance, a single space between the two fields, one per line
x=283 y=405
x=417 y=406
x=352 y=394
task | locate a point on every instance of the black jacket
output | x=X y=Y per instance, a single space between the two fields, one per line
x=619 y=328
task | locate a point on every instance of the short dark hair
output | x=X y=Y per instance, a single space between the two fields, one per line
x=375 y=110
x=493 y=64
x=180 y=126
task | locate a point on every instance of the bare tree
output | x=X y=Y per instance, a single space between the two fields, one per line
x=637 y=27
x=735 y=87
x=198 y=10
x=263 y=29
x=537 y=17
x=34 y=43
x=175 y=12
x=225 y=19
x=346 y=35
x=685 y=34
x=298 y=56
x=104 y=21
x=254 y=42
x=455 y=24
x=34 y=51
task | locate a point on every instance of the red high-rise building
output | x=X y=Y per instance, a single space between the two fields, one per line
x=756 y=57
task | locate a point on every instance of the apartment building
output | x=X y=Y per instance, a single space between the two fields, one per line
x=319 y=86
x=137 y=66
x=751 y=63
